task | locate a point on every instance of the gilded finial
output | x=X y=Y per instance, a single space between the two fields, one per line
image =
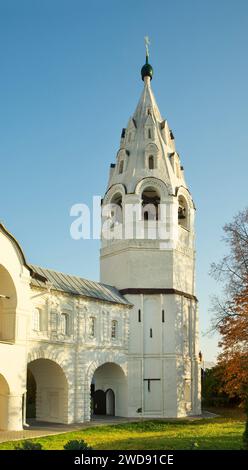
x=147 y=44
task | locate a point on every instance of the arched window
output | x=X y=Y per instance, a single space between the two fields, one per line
x=65 y=324
x=182 y=212
x=36 y=319
x=92 y=327
x=150 y=204
x=151 y=162
x=114 y=329
x=121 y=166
x=8 y=301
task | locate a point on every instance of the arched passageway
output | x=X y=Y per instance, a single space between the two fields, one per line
x=47 y=392
x=4 y=405
x=109 y=390
x=8 y=301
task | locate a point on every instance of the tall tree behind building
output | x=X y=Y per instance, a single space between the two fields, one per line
x=231 y=313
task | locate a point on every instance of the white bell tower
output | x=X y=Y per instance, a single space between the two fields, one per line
x=148 y=254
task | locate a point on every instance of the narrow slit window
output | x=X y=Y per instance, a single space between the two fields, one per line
x=149 y=134
x=150 y=332
x=139 y=316
x=162 y=316
x=151 y=162
x=146 y=215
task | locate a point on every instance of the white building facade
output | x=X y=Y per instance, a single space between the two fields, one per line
x=127 y=346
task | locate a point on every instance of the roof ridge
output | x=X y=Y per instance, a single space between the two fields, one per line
x=68 y=274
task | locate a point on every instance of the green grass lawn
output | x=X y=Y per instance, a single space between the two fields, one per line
x=223 y=432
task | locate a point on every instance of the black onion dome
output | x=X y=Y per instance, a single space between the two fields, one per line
x=147 y=70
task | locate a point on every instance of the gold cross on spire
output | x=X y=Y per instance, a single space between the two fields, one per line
x=147 y=44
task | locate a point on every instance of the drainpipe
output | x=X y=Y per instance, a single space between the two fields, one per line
x=24 y=410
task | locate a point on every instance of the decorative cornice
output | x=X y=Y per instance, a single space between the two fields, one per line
x=152 y=291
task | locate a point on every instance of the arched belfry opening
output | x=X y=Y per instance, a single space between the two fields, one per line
x=47 y=392
x=182 y=212
x=8 y=302
x=116 y=208
x=150 y=204
x=109 y=391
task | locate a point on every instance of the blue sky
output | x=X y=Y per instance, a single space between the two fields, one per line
x=70 y=79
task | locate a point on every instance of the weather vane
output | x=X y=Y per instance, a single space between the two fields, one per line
x=147 y=44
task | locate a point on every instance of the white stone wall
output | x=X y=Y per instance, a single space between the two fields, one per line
x=14 y=314
x=170 y=355
x=79 y=354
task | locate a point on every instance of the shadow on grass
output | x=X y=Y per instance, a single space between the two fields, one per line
x=223 y=442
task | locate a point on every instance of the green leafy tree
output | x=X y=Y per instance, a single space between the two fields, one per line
x=212 y=388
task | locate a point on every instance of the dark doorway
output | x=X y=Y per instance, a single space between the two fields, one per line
x=110 y=377
x=99 y=402
x=110 y=402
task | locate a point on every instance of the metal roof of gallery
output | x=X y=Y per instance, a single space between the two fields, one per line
x=75 y=285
